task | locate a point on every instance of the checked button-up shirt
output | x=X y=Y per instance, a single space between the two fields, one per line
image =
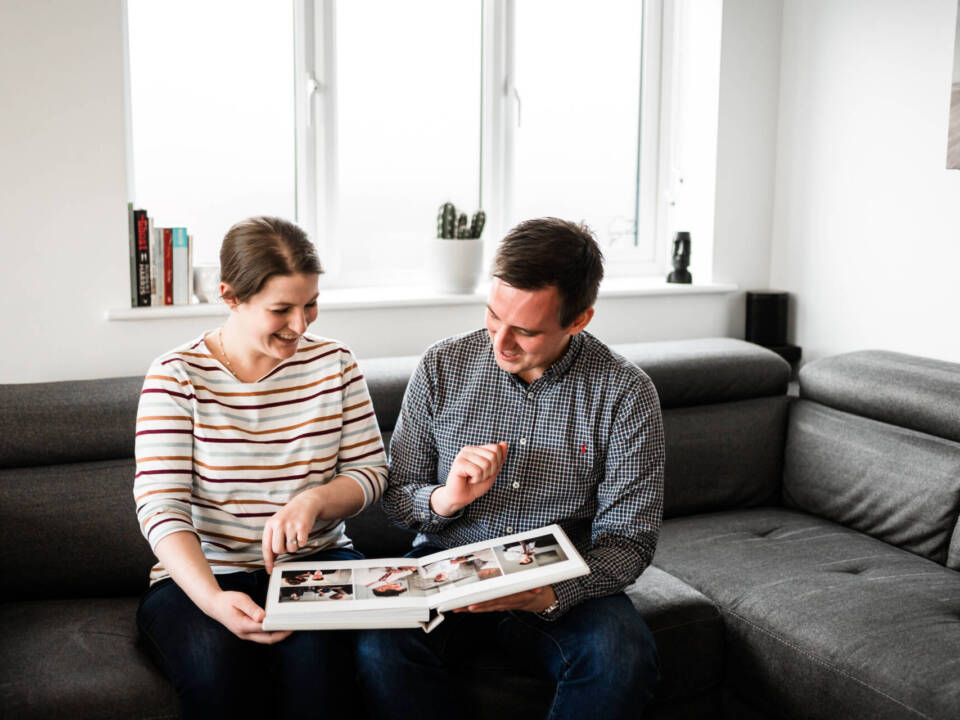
x=585 y=451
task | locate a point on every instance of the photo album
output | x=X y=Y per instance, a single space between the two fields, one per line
x=415 y=592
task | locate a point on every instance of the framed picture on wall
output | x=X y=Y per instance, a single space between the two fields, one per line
x=953 y=133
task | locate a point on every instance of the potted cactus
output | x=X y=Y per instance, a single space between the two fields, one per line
x=458 y=250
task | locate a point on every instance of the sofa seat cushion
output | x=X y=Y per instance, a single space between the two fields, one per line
x=823 y=621
x=688 y=630
x=78 y=658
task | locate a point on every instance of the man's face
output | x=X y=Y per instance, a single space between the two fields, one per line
x=525 y=329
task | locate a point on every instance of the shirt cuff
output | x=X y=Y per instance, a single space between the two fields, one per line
x=428 y=519
x=570 y=593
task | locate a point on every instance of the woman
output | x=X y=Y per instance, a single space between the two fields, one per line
x=253 y=442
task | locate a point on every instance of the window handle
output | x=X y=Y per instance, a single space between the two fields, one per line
x=313 y=89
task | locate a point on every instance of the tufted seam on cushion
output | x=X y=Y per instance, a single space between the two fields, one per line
x=826 y=664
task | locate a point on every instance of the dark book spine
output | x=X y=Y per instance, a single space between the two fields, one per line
x=132 y=229
x=167 y=266
x=142 y=226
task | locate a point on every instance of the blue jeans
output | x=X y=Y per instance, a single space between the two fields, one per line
x=216 y=674
x=600 y=654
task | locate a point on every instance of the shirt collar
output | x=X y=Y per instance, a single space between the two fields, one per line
x=561 y=366
x=555 y=372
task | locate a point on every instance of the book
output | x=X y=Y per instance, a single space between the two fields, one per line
x=154 y=281
x=181 y=266
x=190 y=247
x=167 y=234
x=142 y=229
x=133 y=255
x=416 y=592
x=156 y=254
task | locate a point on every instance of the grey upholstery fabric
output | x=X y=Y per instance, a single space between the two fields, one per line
x=724 y=455
x=59 y=422
x=898 y=485
x=389 y=381
x=70 y=659
x=79 y=520
x=688 y=630
x=698 y=372
x=823 y=621
x=913 y=392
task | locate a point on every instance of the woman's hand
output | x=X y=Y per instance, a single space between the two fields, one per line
x=289 y=529
x=237 y=612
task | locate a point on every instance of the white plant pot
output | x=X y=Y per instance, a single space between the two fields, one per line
x=456 y=264
x=206 y=283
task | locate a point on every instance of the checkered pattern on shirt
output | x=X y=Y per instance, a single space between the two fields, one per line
x=585 y=452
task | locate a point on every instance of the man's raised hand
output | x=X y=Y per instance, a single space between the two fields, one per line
x=471 y=475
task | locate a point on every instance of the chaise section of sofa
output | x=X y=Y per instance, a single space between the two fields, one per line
x=844 y=601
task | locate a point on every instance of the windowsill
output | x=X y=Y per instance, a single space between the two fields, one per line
x=421 y=296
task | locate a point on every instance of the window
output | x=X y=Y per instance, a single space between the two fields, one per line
x=211 y=88
x=361 y=118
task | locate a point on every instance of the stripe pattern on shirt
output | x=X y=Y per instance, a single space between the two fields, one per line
x=217 y=457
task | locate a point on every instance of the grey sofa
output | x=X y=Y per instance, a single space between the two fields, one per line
x=806 y=569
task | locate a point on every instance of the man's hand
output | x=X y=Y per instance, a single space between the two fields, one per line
x=471 y=475
x=536 y=600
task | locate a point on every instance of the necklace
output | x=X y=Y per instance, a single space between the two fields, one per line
x=223 y=351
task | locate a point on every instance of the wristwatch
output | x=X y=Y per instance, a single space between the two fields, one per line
x=550 y=610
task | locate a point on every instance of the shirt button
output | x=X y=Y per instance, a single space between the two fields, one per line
x=515 y=484
x=529 y=396
x=523 y=441
x=509 y=529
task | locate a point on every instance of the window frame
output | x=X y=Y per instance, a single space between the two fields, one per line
x=316 y=134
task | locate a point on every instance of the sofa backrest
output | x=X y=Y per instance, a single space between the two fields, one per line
x=874 y=444
x=66 y=460
x=724 y=412
x=66 y=506
x=724 y=407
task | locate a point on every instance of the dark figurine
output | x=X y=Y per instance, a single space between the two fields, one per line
x=681 y=259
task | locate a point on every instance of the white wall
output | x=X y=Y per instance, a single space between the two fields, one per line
x=747 y=127
x=867 y=220
x=63 y=206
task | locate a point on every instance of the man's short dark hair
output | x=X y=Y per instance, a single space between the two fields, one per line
x=549 y=252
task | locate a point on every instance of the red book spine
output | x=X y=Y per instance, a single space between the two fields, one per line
x=167 y=266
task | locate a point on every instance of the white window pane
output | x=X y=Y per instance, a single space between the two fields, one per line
x=408 y=126
x=578 y=76
x=213 y=113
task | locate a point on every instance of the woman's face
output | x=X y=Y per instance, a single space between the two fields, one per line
x=272 y=321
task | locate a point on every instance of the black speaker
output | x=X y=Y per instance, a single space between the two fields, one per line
x=767 y=318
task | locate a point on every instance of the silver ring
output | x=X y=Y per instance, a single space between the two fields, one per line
x=292 y=542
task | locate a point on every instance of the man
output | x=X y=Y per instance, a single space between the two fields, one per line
x=531 y=422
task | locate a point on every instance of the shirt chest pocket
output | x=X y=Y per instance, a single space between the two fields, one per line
x=566 y=477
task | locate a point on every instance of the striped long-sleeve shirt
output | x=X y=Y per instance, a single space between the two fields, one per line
x=217 y=457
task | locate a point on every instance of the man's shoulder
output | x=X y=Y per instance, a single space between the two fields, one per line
x=457 y=353
x=599 y=358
